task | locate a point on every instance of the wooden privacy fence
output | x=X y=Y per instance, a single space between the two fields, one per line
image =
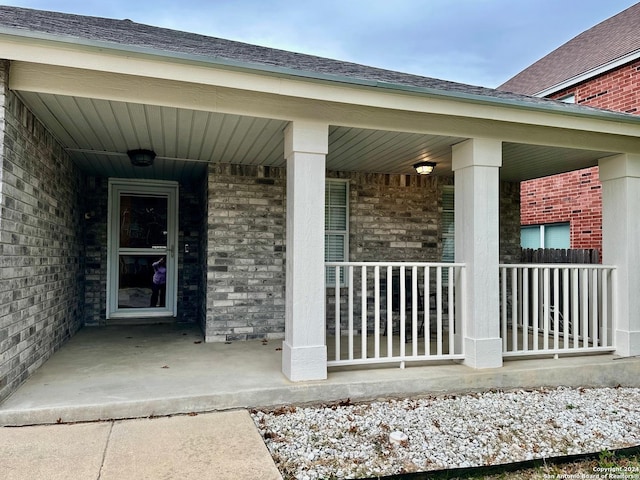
x=560 y=255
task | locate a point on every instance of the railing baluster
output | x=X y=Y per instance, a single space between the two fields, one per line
x=614 y=305
x=427 y=311
x=338 y=330
x=525 y=309
x=503 y=308
x=403 y=313
x=514 y=309
x=575 y=306
x=389 y=328
x=536 y=306
x=439 y=310
x=363 y=313
x=565 y=307
x=414 y=311
x=605 y=307
x=596 y=317
x=556 y=309
x=546 y=308
x=450 y=305
x=584 y=291
x=350 y=312
x=376 y=310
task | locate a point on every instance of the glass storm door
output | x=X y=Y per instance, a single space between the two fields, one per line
x=142 y=262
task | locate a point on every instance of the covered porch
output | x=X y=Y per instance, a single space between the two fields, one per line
x=248 y=150
x=141 y=371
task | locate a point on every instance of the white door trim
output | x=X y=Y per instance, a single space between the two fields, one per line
x=118 y=186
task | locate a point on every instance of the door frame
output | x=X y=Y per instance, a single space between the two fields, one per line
x=117 y=187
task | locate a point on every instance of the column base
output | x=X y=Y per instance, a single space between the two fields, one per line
x=483 y=352
x=301 y=364
x=627 y=343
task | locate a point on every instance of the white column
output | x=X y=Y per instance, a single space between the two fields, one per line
x=476 y=165
x=620 y=177
x=304 y=353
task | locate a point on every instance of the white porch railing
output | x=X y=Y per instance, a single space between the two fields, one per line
x=393 y=312
x=557 y=309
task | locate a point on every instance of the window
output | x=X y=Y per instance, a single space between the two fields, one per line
x=448 y=229
x=336 y=226
x=448 y=224
x=568 y=98
x=551 y=235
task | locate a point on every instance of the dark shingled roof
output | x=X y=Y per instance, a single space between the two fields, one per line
x=606 y=42
x=128 y=35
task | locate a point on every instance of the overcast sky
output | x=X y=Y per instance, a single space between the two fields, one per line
x=480 y=42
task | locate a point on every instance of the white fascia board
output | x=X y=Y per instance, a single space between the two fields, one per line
x=594 y=72
x=107 y=59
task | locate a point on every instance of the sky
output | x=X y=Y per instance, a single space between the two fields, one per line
x=479 y=42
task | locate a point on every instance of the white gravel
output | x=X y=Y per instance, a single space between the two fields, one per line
x=355 y=441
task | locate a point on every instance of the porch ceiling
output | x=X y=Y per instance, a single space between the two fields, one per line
x=98 y=133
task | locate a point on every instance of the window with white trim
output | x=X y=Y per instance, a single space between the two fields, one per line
x=550 y=235
x=448 y=224
x=336 y=227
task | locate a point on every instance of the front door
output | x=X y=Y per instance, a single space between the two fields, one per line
x=142 y=264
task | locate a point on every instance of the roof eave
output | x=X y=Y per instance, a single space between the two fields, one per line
x=547 y=107
x=594 y=72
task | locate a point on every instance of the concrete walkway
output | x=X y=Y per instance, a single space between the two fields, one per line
x=221 y=445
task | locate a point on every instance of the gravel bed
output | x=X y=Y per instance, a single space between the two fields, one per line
x=455 y=431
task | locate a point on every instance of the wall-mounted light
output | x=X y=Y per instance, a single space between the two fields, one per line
x=424 y=168
x=141 y=157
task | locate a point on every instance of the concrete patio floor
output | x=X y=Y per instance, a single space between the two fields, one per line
x=140 y=371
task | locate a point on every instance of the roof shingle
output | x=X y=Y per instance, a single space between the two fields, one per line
x=128 y=35
x=606 y=42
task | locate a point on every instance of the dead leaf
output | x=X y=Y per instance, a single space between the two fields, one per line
x=166 y=366
x=59 y=420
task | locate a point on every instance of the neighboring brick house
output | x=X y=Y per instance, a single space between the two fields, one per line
x=599 y=68
x=242 y=167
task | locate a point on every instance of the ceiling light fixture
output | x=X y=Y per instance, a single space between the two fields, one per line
x=141 y=157
x=424 y=168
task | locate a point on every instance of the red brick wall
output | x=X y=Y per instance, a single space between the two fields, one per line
x=575 y=197
x=617 y=90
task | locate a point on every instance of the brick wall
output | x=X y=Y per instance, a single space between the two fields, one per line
x=391 y=218
x=96 y=208
x=573 y=197
x=245 y=253
x=509 y=222
x=394 y=217
x=617 y=90
x=41 y=243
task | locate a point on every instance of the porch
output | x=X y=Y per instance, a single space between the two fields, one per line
x=140 y=371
